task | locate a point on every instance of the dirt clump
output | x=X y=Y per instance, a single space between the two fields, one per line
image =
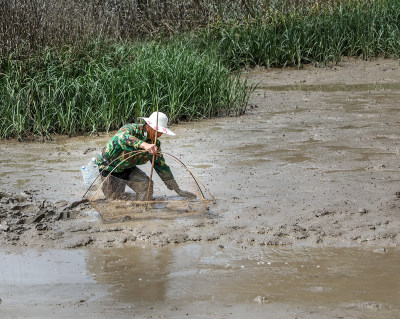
x=23 y=217
x=26 y=221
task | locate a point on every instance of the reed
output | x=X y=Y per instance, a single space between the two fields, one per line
x=103 y=86
x=319 y=33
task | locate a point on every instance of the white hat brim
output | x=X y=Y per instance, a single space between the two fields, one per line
x=159 y=128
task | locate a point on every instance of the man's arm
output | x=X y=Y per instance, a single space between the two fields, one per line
x=164 y=171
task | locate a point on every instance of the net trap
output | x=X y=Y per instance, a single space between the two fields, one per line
x=135 y=196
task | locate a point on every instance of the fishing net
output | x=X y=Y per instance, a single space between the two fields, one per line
x=129 y=198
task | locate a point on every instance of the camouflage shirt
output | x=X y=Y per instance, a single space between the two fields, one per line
x=128 y=139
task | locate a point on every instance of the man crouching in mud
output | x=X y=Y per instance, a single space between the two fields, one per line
x=136 y=137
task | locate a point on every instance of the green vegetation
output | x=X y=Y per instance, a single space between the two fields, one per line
x=101 y=87
x=309 y=34
x=57 y=79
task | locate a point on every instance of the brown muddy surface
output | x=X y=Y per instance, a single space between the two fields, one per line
x=309 y=177
x=315 y=161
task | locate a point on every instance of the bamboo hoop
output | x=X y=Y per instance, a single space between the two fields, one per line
x=108 y=176
x=195 y=178
x=98 y=175
x=145 y=202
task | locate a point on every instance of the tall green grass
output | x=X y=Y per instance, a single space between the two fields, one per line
x=103 y=86
x=308 y=34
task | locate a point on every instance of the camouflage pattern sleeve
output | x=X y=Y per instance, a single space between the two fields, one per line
x=128 y=138
x=161 y=167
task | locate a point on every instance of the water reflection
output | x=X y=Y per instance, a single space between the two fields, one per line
x=357 y=283
x=346 y=276
x=134 y=275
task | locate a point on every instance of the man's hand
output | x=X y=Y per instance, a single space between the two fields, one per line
x=186 y=194
x=173 y=185
x=151 y=148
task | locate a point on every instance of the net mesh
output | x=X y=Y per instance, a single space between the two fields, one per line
x=117 y=199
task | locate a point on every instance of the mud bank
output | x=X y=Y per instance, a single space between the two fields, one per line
x=313 y=162
x=29 y=222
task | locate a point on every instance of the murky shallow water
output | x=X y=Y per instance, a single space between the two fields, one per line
x=353 y=281
x=338 y=87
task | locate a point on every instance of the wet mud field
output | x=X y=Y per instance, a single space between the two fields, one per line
x=305 y=223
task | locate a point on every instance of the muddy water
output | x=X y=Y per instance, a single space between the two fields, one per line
x=201 y=281
x=342 y=87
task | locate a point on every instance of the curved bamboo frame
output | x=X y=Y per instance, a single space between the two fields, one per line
x=195 y=178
